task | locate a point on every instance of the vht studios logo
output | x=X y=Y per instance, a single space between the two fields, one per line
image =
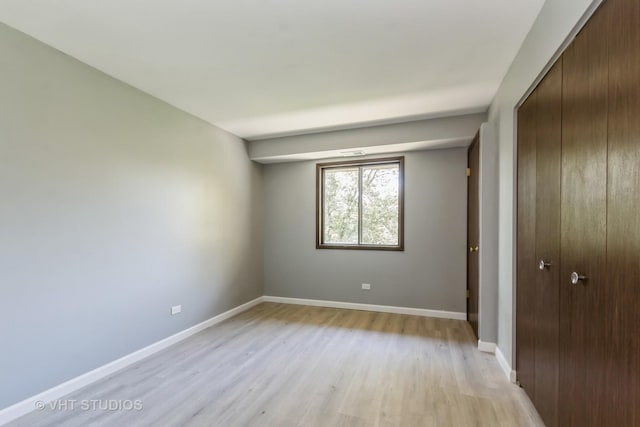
x=90 y=405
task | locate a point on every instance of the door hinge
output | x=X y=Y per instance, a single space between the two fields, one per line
x=468 y=293
x=468 y=171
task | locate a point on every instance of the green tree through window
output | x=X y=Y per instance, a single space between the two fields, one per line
x=361 y=204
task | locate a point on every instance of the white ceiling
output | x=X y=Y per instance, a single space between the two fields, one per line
x=263 y=68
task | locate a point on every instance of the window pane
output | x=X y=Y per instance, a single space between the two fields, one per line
x=341 y=206
x=380 y=191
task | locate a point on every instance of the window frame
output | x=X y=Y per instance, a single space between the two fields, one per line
x=321 y=167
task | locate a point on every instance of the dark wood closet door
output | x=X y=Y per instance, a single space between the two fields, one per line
x=526 y=244
x=473 y=234
x=583 y=226
x=547 y=243
x=622 y=405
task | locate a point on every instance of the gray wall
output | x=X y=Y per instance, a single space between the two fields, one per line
x=430 y=273
x=488 y=255
x=115 y=206
x=554 y=25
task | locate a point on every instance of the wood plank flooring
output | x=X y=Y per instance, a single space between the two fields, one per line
x=289 y=365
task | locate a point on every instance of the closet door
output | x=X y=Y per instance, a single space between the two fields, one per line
x=526 y=244
x=547 y=244
x=623 y=217
x=583 y=334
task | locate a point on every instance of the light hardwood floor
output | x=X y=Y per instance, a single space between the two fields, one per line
x=289 y=365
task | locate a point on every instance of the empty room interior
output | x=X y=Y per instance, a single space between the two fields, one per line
x=320 y=213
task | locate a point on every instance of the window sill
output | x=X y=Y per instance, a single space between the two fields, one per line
x=362 y=247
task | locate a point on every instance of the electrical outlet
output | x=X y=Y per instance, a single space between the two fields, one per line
x=366 y=286
x=176 y=309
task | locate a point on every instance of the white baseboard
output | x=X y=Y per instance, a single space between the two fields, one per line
x=24 y=407
x=506 y=368
x=369 y=307
x=487 y=347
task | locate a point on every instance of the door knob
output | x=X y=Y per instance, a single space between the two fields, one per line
x=474 y=249
x=543 y=264
x=575 y=278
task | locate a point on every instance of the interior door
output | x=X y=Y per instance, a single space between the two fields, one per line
x=583 y=334
x=526 y=245
x=623 y=217
x=473 y=235
x=547 y=244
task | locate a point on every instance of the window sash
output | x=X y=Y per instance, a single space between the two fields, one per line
x=360 y=165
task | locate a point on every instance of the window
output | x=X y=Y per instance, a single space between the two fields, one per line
x=360 y=204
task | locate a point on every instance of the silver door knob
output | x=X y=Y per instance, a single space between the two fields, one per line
x=575 y=278
x=543 y=264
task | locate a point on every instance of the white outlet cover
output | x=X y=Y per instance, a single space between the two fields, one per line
x=366 y=286
x=176 y=309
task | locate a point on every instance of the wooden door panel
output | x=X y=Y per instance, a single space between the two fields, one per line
x=623 y=217
x=526 y=273
x=473 y=233
x=547 y=243
x=583 y=224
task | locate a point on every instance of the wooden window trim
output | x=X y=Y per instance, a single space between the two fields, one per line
x=320 y=200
